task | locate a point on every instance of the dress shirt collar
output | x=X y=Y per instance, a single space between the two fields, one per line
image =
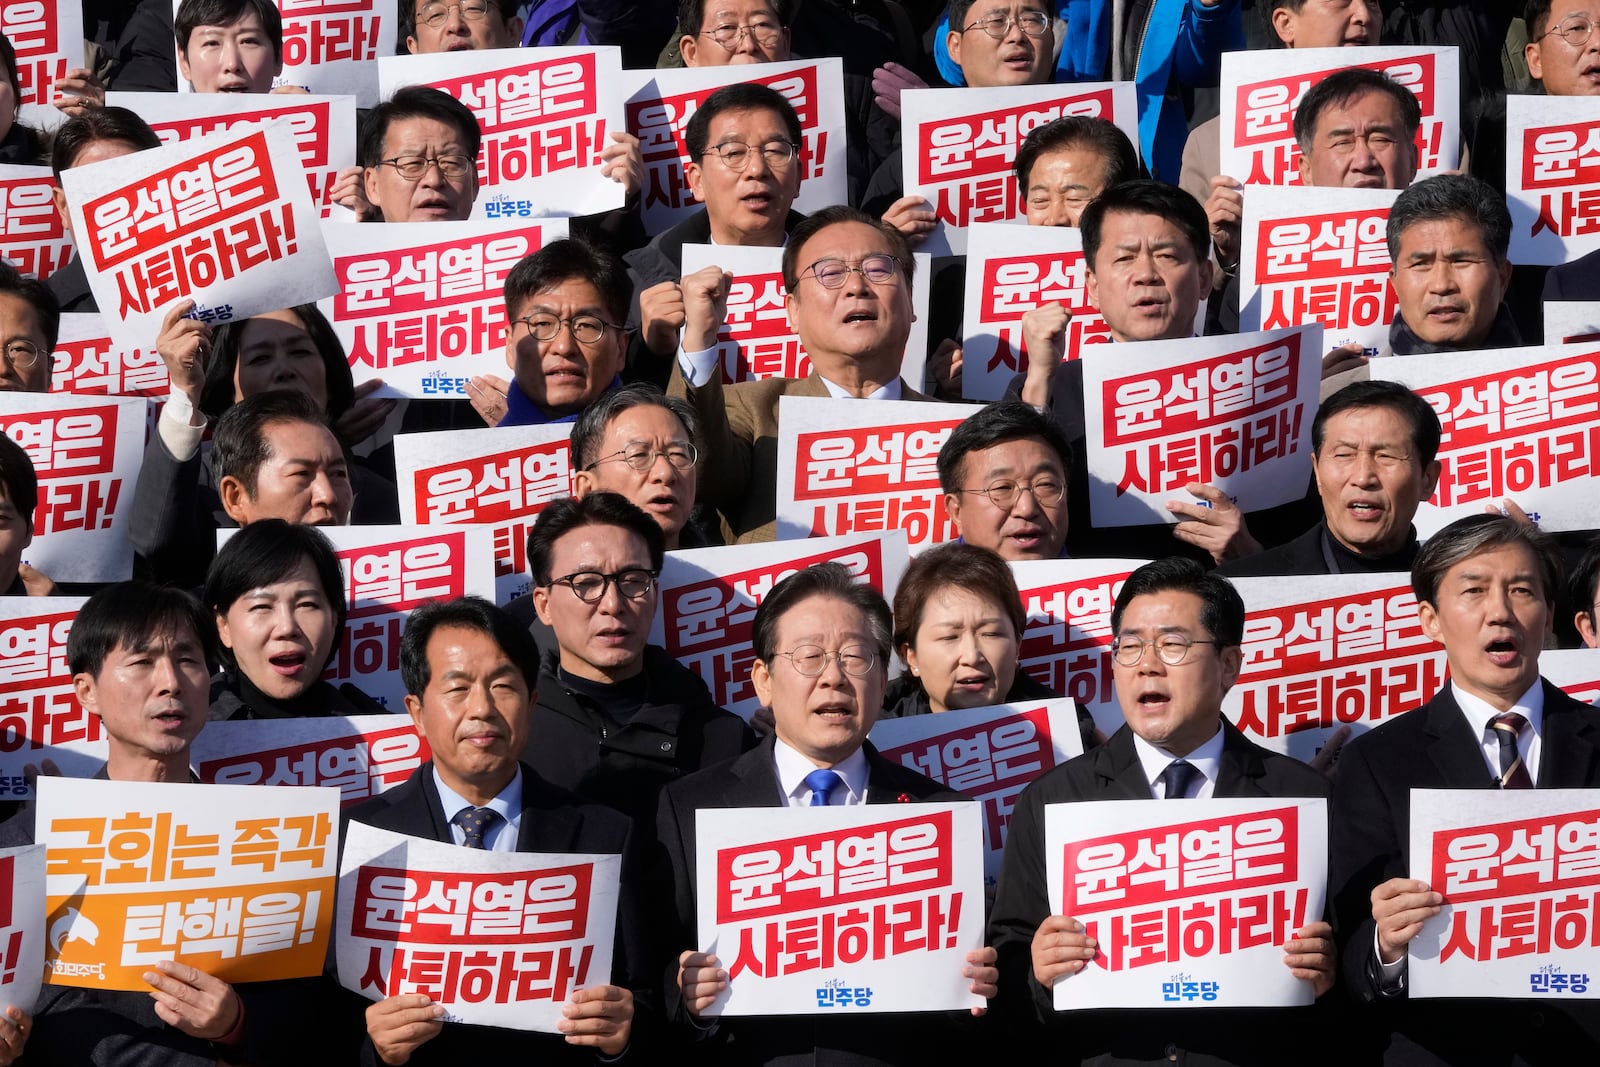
x=507 y=804
x=792 y=769
x=1207 y=759
x=888 y=391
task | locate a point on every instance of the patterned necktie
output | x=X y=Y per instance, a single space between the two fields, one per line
x=1513 y=772
x=1177 y=778
x=474 y=823
x=821 y=783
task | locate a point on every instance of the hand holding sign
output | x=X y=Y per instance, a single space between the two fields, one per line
x=185 y=346
x=912 y=216
x=1225 y=214
x=1399 y=907
x=984 y=974
x=701 y=980
x=192 y=1001
x=1217 y=525
x=80 y=89
x=623 y=162
x=600 y=1017
x=398 y=1026
x=1309 y=956
x=1060 y=949
x=14 y=1027
x=705 y=306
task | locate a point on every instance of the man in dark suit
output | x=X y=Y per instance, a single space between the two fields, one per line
x=467 y=666
x=1486 y=588
x=822 y=646
x=1176 y=652
x=848 y=277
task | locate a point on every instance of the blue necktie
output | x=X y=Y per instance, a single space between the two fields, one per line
x=474 y=823
x=1177 y=777
x=821 y=783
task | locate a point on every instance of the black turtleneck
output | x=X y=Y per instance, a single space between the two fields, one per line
x=319 y=700
x=620 y=701
x=1348 y=562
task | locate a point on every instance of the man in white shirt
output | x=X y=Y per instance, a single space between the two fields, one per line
x=1485 y=588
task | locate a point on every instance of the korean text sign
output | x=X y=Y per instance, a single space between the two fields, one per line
x=48 y=38
x=1326 y=651
x=86 y=452
x=40 y=717
x=1571 y=321
x=824 y=911
x=421 y=305
x=22 y=933
x=1552 y=177
x=1234 y=412
x=333 y=46
x=1190 y=901
x=1318 y=255
x=1518 y=422
x=497 y=938
x=708 y=598
x=234 y=880
x=31 y=235
x=88 y=362
x=361 y=755
x=1519 y=871
x=990 y=754
x=960 y=145
x=224 y=218
x=1262 y=89
x=501 y=477
x=546 y=115
x=855 y=468
x=661 y=102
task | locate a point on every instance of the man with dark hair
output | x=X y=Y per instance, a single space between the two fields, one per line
x=715 y=33
x=1562 y=53
x=1373 y=445
x=1583 y=590
x=640 y=443
x=1486 y=589
x=432 y=133
x=822 y=646
x=19 y=496
x=468 y=670
x=618 y=718
x=30 y=321
x=1448 y=239
x=848 y=277
x=229 y=46
x=1064 y=164
x=429 y=26
x=1177 y=632
x=1357 y=129
x=1003 y=472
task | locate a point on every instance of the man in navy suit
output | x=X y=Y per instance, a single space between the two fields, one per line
x=1486 y=588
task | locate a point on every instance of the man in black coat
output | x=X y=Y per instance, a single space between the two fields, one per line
x=466 y=666
x=835 y=636
x=1486 y=588
x=1176 y=652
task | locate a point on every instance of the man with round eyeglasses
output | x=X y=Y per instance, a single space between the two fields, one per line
x=1004 y=475
x=1563 y=49
x=30 y=319
x=618 y=717
x=430 y=26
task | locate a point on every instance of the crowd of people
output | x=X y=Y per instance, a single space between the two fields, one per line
x=556 y=726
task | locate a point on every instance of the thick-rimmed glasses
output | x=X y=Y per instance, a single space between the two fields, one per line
x=412 y=168
x=811 y=660
x=590 y=586
x=1172 y=648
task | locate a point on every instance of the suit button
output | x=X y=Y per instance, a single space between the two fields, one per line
x=666 y=746
x=1172 y=1053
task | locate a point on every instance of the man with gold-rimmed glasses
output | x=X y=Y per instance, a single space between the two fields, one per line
x=459 y=25
x=30 y=319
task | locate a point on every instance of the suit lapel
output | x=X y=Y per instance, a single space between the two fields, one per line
x=753 y=779
x=1118 y=770
x=1451 y=747
x=1241 y=769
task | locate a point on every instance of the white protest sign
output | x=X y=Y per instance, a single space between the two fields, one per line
x=89 y=363
x=1262 y=88
x=48 y=38
x=225 y=218
x=661 y=102
x=86 y=452
x=32 y=238
x=421 y=305
x=708 y=597
x=959 y=146
x=1519 y=423
x=1575 y=670
x=360 y=755
x=40 y=718
x=756 y=340
x=1521 y=891
x=851 y=468
x=878 y=918
x=1220 y=885
x=989 y=753
x=1552 y=177
x=1234 y=412
x=546 y=115
x=332 y=46
x=21 y=931
x=496 y=938
x=1571 y=322
x=1318 y=255
x=500 y=477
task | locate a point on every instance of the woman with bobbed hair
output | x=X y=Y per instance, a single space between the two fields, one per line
x=295 y=348
x=18 y=143
x=277 y=594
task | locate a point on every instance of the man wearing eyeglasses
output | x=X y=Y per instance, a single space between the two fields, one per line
x=418 y=154
x=618 y=718
x=1563 y=54
x=450 y=26
x=643 y=445
x=1004 y=476
x=1176 y=653
x=30 y=319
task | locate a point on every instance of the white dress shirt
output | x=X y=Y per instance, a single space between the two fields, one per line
x=1207 y=759
x=1529 y=705
x=792 y=769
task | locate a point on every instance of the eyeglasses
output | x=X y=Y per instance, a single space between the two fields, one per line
x=471 y=10
x=412 y=168
x=879 y=268
x=1575 y=30
x=641 y=457
x=586 y=330
x=1033 y=23
x=735 y=155
x=1172 y=648
x=763 y=32
x=1046 y=492
x=811 y=660
x=22 y=354
x=590 y=586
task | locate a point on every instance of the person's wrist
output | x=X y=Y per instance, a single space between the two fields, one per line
x=698 y=339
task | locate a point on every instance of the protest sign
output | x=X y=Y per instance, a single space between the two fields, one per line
x=960 y=144
x=86 y=453
x=40 y=718
x=1552 y=177
x=224 y=218
x=500 y=477
x=1234 y=412
x=852 y=468
x=661 y=102
x=834 y=910
x=332 y=47
x=1575 y=670
x=233 y=880
x=989 y=753
x=48 y=38
x=708 y=597
x=1518 y=423
x=546 y=115
x=21 y=932
x=1571 y=321
x=32 y=238
x=88 y=362
x=496 y=938
x=361 y=755
x=1189 y=901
